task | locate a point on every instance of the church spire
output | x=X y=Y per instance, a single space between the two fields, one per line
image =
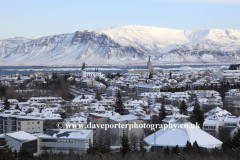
x=149 y=64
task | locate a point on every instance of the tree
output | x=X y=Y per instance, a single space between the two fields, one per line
x=142 y=146
x=227 y=145
x=162 y=113
x=91 y=149
x=98 y=96
x=125 y=144
x=119 y=107
x=118 y=74
x=63 y=115
x=167 y=150
x=102 y=147
x=6 y=152
x=197 y=115
x=83 y=97
x=183 y=108
x=133 y=142
x=6 y=104
x=150 y=75
x=176 y=150
x=236 y=140
x=3 y=90
x=17 y=107
x=223 y=134
x=188 y=148
x=170 y=74
x=25 y=155
x=196 y=147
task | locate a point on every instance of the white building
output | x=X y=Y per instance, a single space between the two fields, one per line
x=46 y=99
x=22 y=140
x=144 y=87
x=112 y=91
x=62 y=140
x=125 y=119
x=213 y=123
x=99 y=87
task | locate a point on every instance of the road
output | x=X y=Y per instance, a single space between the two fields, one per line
x=77 y=91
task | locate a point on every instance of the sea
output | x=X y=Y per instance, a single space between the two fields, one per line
x=23 y=70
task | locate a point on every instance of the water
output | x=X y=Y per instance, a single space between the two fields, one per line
x=77 y=69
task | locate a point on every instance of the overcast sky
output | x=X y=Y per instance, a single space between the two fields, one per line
x=49 y=17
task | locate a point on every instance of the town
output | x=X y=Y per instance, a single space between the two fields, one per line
x=39 y=111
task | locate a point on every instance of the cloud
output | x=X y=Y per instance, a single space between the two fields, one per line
x=200 y=1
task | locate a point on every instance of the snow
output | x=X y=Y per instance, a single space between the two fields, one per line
x=124 y=45
x=22 y=136
x=179 y=136
x=124 y=118
x=73 y=133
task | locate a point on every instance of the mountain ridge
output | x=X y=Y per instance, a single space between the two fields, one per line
x=128 y=44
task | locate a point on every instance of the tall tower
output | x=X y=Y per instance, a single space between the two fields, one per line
x=83 y=70
x=149 y=64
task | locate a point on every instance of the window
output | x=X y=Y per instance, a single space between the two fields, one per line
x=32 y=128
x=38 y=127
x=32 y=122
x=29 y=128
x=28 y=123
x=212 y=127
x=38 y=122
x=49 y=140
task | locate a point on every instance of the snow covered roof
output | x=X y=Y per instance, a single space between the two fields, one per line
x=21 y=136
x=113 y=88
x=98 y=84
x=232 y=119
x=218 y=111
x=179 y=136
x=124 y=117
x=145 y=85
x=66 y=133
x=105 y=114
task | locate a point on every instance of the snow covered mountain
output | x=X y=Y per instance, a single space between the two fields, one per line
x=124 y=45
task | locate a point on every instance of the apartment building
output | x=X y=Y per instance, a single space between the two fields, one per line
x=96 y=118
x=99 y=87
x=114 y=119
x=45 y=100
x=88 y=83
x=112 y=91
x=17 y=121
x=125 y=120
x=144 y=87
x=213 y=123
